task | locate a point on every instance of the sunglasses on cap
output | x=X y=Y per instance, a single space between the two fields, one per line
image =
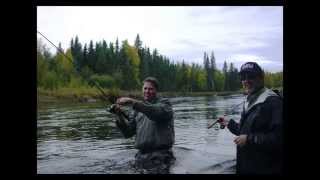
x=247 y=76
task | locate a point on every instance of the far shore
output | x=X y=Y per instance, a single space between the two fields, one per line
x=91 y=95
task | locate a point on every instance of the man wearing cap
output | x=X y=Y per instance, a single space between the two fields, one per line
x=259 y=133
x=152 y=122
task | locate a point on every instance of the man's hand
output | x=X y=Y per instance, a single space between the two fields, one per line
x=125 y=101
x=117 y=109
x=223 y=121
x=241 y=140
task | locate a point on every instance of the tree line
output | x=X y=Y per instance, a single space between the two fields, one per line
x=125 y=66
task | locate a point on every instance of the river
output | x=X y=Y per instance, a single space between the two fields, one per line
x=81 y=138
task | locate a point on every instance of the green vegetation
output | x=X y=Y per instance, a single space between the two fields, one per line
x=273 y=80
x=121 y=69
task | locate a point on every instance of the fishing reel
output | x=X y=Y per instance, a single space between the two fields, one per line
x=112 y=109
x=220 y=120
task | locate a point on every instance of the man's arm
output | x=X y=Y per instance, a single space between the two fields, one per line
x=126 y=126
x=272 y=140
x=155 y=112
x=234 y=127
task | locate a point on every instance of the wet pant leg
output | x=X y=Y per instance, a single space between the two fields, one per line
x=156 y=162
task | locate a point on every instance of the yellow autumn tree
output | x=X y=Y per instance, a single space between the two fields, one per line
x=132 y=56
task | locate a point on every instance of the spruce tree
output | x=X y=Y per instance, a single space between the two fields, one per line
x=226 y=78
x=212 y=69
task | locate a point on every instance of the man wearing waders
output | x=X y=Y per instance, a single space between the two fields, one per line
x=259 y=133
x=152 y=122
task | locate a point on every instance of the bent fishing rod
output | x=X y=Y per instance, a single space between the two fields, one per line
x=89 y=80
x=109 y=98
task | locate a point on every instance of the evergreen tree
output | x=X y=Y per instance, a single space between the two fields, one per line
x=112 y=50
x=101 y=65
x=207 y=68
x=184 y=80
x=137 y=42
x=226 y=78
x=60 y=47
x=91 y=57
x=212 y=70
x=233 y=78
x=113 y=54
x=238 y=84
x=143 y=64
x=76 y=50
x=117 y=50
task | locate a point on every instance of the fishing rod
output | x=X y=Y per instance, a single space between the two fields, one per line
x=106 y=97
x=221 y=119
x=89 y=80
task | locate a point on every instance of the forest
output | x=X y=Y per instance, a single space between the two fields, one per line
x=121 y=66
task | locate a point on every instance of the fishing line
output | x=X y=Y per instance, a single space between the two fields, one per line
x=89 y=80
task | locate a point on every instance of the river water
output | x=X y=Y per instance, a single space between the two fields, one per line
x=81 y=138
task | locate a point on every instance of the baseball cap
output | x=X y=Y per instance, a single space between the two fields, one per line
x=252 y=68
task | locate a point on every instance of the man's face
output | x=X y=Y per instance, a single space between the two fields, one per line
x=251 y=82
x=149 y=91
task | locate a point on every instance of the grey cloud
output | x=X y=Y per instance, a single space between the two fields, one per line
x=189 y=43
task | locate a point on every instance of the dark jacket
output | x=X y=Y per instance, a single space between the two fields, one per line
x=261 y=120
x=152 y=123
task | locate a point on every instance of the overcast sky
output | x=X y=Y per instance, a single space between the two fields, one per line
x=235 y=33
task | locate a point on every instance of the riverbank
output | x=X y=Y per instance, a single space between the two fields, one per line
x=86 y=95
